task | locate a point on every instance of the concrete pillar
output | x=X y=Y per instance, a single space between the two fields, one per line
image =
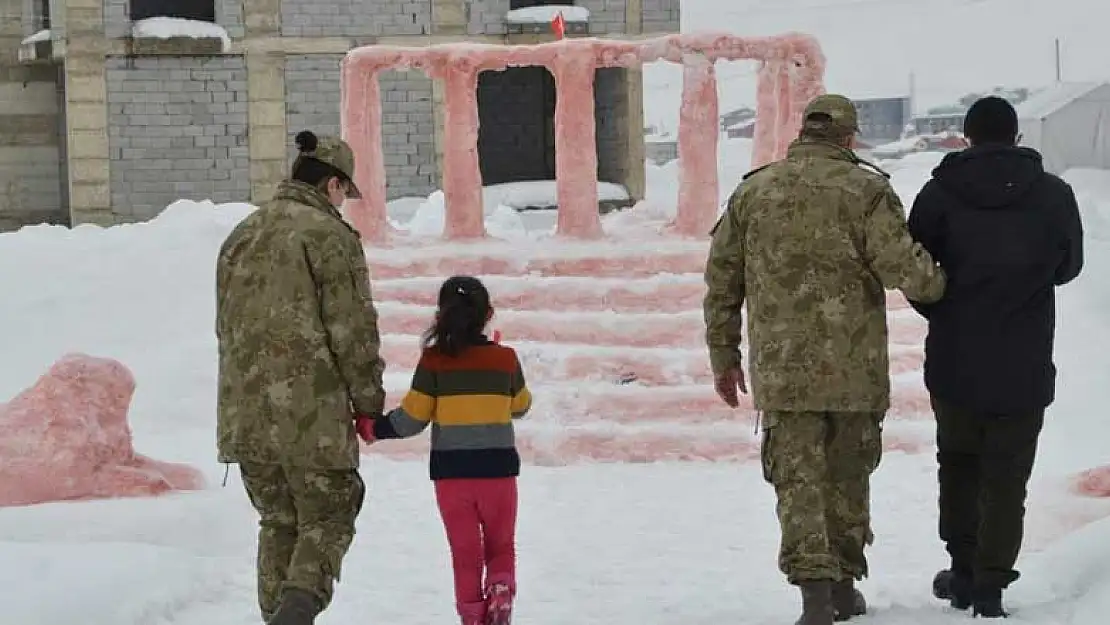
x=449 y=17
x=266 y=124
x=698 y=134
x=86 y=109
x=635 y=153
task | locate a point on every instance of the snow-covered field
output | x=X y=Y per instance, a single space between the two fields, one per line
x=614 y=530
x=600 y=542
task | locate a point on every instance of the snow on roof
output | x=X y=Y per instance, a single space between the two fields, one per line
x=169 y=27
x=1051 y=99
x=545 y=14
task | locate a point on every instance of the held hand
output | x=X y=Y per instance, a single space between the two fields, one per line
x=727 y=385
x=364 y=426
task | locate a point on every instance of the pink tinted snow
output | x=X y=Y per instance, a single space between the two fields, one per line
x=791 y=74
x=67 y=438
x=1094 y=482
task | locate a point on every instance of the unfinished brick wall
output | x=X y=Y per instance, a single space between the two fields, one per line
x=312 y=102
x=177 y=129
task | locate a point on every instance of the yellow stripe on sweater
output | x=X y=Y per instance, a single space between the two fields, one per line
x=473 y=410
x=419 y=406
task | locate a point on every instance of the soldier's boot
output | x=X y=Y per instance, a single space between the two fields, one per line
x=472 y=613
x=847 y=600
x=817 y=606
x=499 y=604
x=298 y=607
x=987 y=603
x=953 y=588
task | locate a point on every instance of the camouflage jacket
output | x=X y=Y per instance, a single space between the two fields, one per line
x=808 y=243
x=298 y=335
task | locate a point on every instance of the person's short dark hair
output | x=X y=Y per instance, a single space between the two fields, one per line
x=991 y=120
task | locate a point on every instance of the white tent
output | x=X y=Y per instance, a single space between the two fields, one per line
x=1069 y=124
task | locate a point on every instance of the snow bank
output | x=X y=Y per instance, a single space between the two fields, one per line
x=170 y=27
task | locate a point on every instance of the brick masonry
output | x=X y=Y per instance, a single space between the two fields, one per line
x=660 y=16
x=177 y=129
x=312 y=95
x=516 y=113
x=355 y=18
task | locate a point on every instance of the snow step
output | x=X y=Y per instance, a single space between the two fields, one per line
x=681 y=329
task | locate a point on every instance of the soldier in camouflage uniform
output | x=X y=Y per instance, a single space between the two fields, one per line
x=808 y=243
x=298 y=361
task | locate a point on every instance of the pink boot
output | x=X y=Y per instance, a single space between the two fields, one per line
x=472 y=613
x=499 y=602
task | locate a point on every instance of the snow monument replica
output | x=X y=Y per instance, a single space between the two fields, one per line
x=607 y=313
x=791 y=74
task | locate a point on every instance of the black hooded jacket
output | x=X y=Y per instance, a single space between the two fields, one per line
x=1006 y=234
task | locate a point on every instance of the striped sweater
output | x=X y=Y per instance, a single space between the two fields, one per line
x=470 y=401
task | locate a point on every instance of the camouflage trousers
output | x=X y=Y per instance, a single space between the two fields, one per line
x=306 y=527
x=820 y=464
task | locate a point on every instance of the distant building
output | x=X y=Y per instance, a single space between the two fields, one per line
x=882 y=119
x=938 y=123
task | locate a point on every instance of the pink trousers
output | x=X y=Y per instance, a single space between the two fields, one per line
x=479 y=516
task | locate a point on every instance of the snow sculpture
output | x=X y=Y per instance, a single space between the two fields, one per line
x=67 y=438
x=791 y=74
x=1093 y=482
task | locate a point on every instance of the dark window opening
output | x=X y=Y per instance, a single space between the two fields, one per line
x=198 y=10
x=516 y=131
x=524 y=4
x=44 y=14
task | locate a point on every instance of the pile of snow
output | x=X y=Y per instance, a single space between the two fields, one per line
x=546 y=14
x=171 y=27
x=42 y=35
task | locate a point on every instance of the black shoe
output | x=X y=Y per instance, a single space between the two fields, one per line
x=953 y=588
x=987 y=603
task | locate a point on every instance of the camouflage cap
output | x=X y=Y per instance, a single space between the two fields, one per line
x=841 y=110
x=332 y=151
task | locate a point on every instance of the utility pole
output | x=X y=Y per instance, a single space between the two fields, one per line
x=1058 y=74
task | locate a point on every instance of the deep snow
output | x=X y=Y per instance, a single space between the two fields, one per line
x=610 y=542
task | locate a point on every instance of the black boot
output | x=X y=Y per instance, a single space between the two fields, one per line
x=987 y=603
x=847 y=600
x=953 y=588
x=817 y=606
x=298 y=607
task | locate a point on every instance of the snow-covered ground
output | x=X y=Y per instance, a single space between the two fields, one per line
x=626 y=542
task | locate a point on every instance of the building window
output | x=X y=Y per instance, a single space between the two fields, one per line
x=198 y=10
x=524 y=4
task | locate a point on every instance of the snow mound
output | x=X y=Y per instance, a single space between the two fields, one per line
x=171 y=27
x=67 y=438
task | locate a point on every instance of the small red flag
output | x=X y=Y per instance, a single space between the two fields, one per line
x=559 y=25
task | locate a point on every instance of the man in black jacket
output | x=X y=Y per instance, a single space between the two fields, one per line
x=1006 y=233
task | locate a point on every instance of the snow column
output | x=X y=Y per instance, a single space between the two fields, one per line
x=361 y=123
x=462 y=177
x=698 y=133
x=777 y=113
x=576 y=143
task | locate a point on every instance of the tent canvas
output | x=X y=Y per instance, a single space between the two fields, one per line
x=1069 y=124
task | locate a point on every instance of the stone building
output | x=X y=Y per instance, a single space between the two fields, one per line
x=112 y=109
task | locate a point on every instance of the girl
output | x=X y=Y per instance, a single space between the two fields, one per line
x=469 y=389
